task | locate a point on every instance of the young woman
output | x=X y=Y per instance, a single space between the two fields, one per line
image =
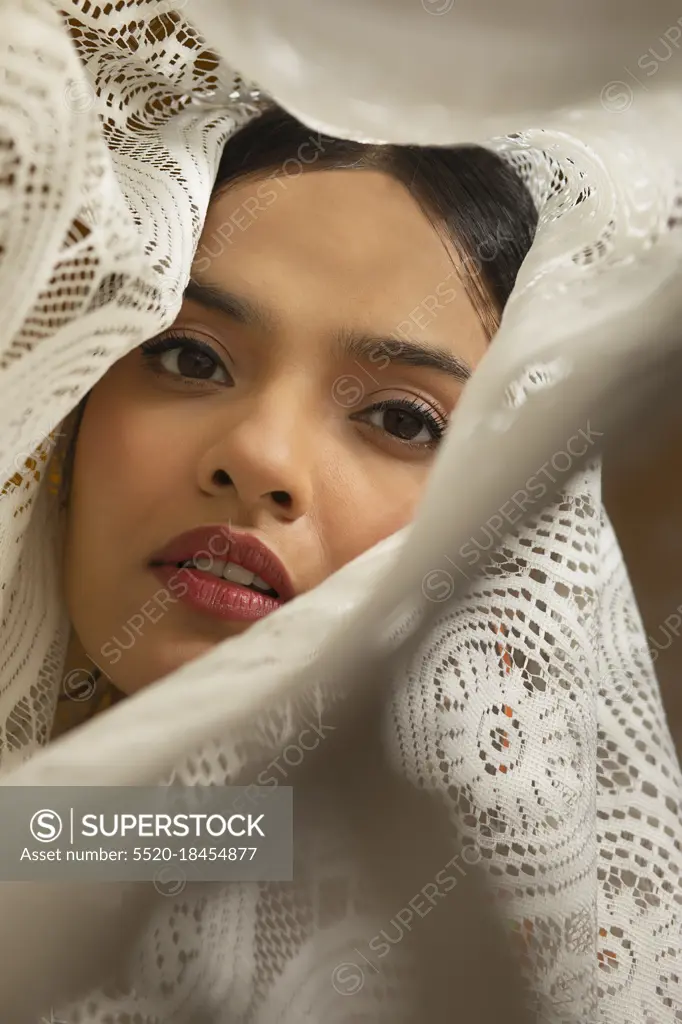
x=340 y=294
x=340 y=297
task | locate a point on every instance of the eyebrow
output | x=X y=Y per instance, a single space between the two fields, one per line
x=243 y=311
x=403 y=352
x=360 y=346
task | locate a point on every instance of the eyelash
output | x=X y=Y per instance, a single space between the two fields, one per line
x=435 y=425
x=153 y=349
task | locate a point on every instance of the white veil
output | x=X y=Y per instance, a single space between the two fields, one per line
x=522 y=689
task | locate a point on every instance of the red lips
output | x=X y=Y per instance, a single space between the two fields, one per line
x=222 y=543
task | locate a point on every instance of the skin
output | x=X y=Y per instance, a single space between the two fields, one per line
x=339 y=252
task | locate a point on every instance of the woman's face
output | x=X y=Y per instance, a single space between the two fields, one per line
x=284 y=424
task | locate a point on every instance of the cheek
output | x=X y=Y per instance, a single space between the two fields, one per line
x=361 y=509
x=119 y=464
x=128 y=468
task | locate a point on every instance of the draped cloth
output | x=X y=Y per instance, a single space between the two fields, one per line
x=515 y=679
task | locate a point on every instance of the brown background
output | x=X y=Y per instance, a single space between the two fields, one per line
x=643 y=497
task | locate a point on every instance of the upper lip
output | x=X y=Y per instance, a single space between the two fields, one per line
x=226 y=544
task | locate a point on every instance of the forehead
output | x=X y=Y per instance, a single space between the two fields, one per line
x=339 y=248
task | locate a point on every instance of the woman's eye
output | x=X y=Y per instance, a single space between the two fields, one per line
x=187 y=358
x=189 y=362
x=408 y=421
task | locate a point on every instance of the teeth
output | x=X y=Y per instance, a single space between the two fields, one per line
x=229 y=571
x=238 y=574
x=216 y=566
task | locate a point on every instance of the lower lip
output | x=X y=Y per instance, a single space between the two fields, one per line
x=221 y=598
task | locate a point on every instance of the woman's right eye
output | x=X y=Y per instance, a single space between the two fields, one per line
x=187 y=358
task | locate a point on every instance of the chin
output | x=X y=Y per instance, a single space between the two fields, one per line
x=144 y=667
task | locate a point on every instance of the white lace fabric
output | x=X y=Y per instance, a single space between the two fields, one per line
x=527 y=700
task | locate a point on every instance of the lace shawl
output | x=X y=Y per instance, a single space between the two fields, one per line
x=522 y=690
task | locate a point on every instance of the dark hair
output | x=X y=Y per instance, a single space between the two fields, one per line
x=469 y=193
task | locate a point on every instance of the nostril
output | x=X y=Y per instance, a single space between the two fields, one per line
x=282 y=498
x=221 y=479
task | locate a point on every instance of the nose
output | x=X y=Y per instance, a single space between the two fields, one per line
x=261 y=453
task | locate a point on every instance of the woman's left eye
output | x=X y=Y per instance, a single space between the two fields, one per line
x=187 y=358
x=409 y=421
